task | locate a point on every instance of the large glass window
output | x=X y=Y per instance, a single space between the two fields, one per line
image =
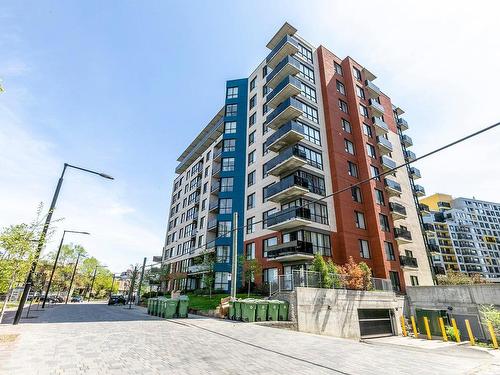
x=384 y=222
x=250 y=225
x=360 y=92
x=250 y=250
x=251 y=178
x=224 y=229
x=251 y=201
x=379 y=197
x=311 y=134
x=253 y=101
x=308 y=92
x=352 y=169
x=305 y=52
x=319 y=211
x=225 y=205
x=313 y=158
x=338 y=69
x=230 y=127
x=371 y=151
x=265 y=215
x=221 y=279
x=267 y=243
x=270 y=275
x=306 y=73
x=359 y=218
x=349 y=146
x=374 y=171
x=343 y=106
x=389 y=251
x=310 y=112
x=364 y=249
x=229 y=145
x=316 y=184
x=226 y=184
x=356 y=194
x=340 y=87
x=231 y=109
x=222 y=253
x=320 y=242
x=346 y=125
x=232 y=93
x=228 y=164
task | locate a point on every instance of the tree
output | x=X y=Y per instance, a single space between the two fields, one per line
x=358 y=276
x=319 y=265
x=208 y=278
x=459 y=278
x=251 y=270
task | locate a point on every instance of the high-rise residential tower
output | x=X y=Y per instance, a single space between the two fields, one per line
x=304 y=125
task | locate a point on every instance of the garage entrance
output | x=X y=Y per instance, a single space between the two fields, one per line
x=376 y=322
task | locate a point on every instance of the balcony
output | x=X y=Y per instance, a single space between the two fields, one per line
x=387 y=163
x=157 y=258
x=217 y=153
x=289 y=188
x=290 y=133
x=198 y=268
x=291 y=251
x=286 y=162
x=376 y=108
x=287 y=46
x=212 y=225
x=381 y=127
x=433 y=248
x=216 y=170
x=418 y=190
x=213 y=207
x=384 y=145
x=409 y=155
x=215 y=188
x=402 y=236
x=372 y=89
x=289 y=218
x=415 y=173
x=403 y=124
x=428 y=227
x=286 y=111
x=289 y=66
x=424 y=209
x=398 y=211
x=289 y=86
x=392 y=187
x=407 y=261
x=406 y=140
x=194 y=232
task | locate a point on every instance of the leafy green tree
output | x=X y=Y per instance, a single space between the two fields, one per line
x=209 y=276
x=251 y=270
x=319 y=265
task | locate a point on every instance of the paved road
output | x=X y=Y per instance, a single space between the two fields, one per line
x=101 y=339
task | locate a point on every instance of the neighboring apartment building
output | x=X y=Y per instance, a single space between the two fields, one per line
x=303 y=125
x=463 y=234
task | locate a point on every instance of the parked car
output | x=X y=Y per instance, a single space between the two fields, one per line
x=117 y=300
x=77 y=299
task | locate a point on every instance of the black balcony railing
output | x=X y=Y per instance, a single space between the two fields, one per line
x=288 y=214
x=288 y=127
x=407 y=261
x=434 y=248
x=429 y=227
x=397 y=208
x=284 y=184
x=281 y=43
x=285 y=155
x=423 y=207
x=290 y=248
x=402 y=233
x=288 y=80
x=287 y=60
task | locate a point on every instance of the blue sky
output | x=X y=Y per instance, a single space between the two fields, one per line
x=122 y=86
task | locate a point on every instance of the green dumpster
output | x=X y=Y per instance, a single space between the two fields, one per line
x=182 y=311
x=230 y=314
x=283 y=311
x=261 y=310
x=273 y=310
x=248 y=307
x=170 y=308
x=237 y=310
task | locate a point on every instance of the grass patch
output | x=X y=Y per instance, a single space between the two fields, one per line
x=204 y=303
x=8 y=338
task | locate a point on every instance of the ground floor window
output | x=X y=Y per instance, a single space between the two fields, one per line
x=223 y=254
x=414 y=280
x=394 y=276
x=269 y=275
x=221 y=279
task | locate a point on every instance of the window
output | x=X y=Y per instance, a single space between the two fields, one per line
x=316 y=183
x=226 y=184
x=360 y=92
x=231 y=109
x=414 y=280
x=364 y=250
x=251 y=138
x=306 y=73
x=374 y=172
x=311 y=134
x=250 y=225
x=264 y=71
x=305 y=52
x=379 y=197
x=340 y=87
x=250 y=250
x=221 y=279
x=265 y=90
x=308 y=92
x=225 y=205
x=346 y=125
x=343 y=106
x=352 y=169
x=222 y=253
x=207 y=158
x=389 y=251
x=251 y=178
x=265 y=215
x=252 y=83
x=357 y=73
x=227 y=164
x=319 y=211
x=394 y=276
x=313 y=158
x=268 y=243
x=384 y=222
x=310 y=112
x=356 y=194
x=349 y=146
x=320 y=242
x=265 y=108
x=251 y=157
x=359 y=219
x=202 y=223
x=371 y=151
x=230 y=127
x=224 y=229
x=338 y=68
x=232 y=93
x=253 y=101
x=252 y=119
x=367 y=130
x=229 y=145
x=251 y=201
x=363 y=110
x=269 y=275
x=205 y=187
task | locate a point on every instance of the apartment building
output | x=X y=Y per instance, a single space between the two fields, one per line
x=463 y=234
x=304 y=125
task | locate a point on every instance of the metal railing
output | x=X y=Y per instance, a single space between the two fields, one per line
x=284 y=156
x=281 y=43
x=289 y=126
x=287 y=80
x=287 y=60
x=288 y=214
x=284 y=184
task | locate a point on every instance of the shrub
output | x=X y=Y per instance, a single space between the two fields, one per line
x=458 y=278
x=450 y=332
x=358 y=276
x=490 y=314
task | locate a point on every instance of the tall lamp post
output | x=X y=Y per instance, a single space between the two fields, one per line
x=55 y=263
x=41 y=240
x=73 y=275
x=93 y=280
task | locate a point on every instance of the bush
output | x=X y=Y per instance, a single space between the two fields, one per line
x=458 y=278
x=490 y=314
x=450 y=332
x=152 y=294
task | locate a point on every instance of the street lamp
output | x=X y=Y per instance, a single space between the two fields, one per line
x=73 y=276
x=41 y=240
x=55 y=262
x=93 y=279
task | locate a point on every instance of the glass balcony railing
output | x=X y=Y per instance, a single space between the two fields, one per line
x=376 y=106
x=289 y=86
x=415 y=173
x=407 y=141
x=380 y=126
x=387 y=162
x=286 y=46
x=214 y=206
x=288 y=66
x=385 y=146
x=215 y=188
x=285 y=184
x=410 y=155
x=373 y=89
x=288 y=110
x=419 y=190
x=290 y=133
x=287 y=216
x=287 y=160
x=428 y=227
x=392 y=186
x=212 y=224
x=403 y=124
x=292 y=249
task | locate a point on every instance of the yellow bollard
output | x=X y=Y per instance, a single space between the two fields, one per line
x=414 y=325
x=427 y=329
x=443 y=330
x=455 y=329
x=492 y=334
x=403 y=326
x=469 y=331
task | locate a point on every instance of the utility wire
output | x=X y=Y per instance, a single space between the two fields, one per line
x=376 y=177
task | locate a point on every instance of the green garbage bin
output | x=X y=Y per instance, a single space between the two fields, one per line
x=154 y=307
x=283 y=311
x=261 y=310
x=237 y=310
x=150 y=302
x=230 y=314
x=248 y=307
x=182 y=310
x=170 y=308
x=273 y=310
x=161 y=308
